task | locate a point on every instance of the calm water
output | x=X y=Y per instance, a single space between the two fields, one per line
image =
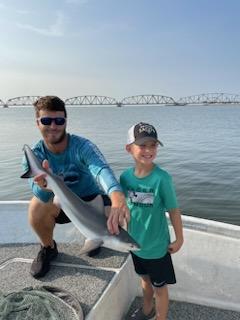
x=201 y=150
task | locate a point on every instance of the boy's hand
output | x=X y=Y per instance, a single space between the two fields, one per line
x=175 y=217
x=175 y=246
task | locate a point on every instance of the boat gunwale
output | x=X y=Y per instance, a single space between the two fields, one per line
x=189 y=222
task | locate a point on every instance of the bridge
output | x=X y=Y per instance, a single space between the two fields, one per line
x=98 y=100
x=22 y=101
x=138 y=100
x=3 y=104
x=91 y=100
x=148 y=99
x=210 y=98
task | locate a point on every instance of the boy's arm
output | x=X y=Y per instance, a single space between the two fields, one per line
x=175 y=217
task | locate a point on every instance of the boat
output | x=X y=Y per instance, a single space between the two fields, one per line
x=207 y=268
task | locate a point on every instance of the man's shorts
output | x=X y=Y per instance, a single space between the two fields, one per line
x=160 y=271
x=62 y=217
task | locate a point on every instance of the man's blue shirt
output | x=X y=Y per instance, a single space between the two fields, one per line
x=82 y=166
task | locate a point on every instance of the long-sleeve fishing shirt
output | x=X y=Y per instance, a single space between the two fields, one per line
x=81 y=165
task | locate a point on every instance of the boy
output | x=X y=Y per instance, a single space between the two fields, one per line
x=150 y=192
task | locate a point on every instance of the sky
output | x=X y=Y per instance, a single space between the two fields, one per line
x=119 y=48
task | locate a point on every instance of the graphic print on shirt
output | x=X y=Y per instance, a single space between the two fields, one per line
x=141 y=198
x=71 y=175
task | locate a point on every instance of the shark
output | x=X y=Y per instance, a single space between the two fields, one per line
x=91 y=222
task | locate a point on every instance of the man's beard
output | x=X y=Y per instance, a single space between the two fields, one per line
x=60 y=139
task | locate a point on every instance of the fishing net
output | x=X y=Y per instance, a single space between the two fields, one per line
x=40 y=303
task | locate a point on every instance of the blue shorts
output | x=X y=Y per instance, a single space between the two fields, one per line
x=160 y=271
x=63 y=218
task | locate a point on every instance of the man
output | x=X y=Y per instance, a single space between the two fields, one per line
x=83 y=168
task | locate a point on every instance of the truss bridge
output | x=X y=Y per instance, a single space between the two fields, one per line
x=148 y=99
x=91 y=100
x=138 y=100
x=210 y=98
x=3 y=104
x=22 y=101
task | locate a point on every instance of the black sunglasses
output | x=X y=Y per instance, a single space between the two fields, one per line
x=47 y=121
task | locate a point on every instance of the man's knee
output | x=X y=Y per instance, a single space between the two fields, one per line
x=39 y=210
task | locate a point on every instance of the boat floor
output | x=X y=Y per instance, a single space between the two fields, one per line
x=189 y=311
x=105 y=285
x=87 y=278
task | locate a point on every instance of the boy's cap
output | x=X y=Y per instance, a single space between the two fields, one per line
x=141 y=132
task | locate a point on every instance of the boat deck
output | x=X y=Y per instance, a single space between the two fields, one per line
x=190 y=311
x=105 y=285
x=89 y=279
x=86 y=278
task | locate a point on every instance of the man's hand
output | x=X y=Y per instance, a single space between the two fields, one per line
x=40 y=179
x=119 y=214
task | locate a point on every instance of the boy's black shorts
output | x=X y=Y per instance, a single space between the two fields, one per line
x=160 y=271
x=62 y=217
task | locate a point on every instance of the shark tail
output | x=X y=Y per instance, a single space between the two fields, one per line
x=29 y=173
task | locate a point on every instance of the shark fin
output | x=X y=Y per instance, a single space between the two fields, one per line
x=90 y=244
x=27 y=174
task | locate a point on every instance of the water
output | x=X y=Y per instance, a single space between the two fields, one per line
x=201 y=150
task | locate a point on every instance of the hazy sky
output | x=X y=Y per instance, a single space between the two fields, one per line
x=119 y=48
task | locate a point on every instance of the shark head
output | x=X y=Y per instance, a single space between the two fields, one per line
x=123 y=242
x=128 y=246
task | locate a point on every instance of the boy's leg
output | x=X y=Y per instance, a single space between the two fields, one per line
x=162 y=273
x=161 y=302
x=147 y=311
x=148 y=293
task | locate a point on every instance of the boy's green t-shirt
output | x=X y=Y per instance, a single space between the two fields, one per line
x=148 y=199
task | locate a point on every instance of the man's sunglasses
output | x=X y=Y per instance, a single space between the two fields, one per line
x=47 y=121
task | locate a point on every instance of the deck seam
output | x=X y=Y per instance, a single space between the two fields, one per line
x=60 y=264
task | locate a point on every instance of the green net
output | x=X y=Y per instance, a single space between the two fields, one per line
x=40 y=303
